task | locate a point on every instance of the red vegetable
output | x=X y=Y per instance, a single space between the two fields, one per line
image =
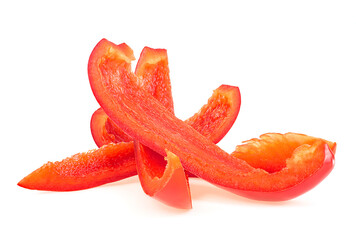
x=82 y=171
x=221 y=111
x=109 y=163
x=153 y=76
x=105 y=131
x=159 y=178
x=167 y=184
x=149 y=122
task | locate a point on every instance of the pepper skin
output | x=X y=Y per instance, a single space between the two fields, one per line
x=149 y=122
x=169 y=184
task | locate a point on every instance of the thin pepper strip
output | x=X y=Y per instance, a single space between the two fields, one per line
x=159 y=178
x=145 y=119
x=110 y=163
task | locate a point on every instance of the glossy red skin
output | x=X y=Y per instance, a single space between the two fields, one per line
x=146 y=120
x=298 y=189
x=168 y=185
x=109 y=163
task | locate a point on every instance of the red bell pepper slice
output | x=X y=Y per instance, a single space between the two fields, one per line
x=105 y=131
x=109 y=163
x=165 y=178
x=149 y=122
x=152 y=74
x=167 y=184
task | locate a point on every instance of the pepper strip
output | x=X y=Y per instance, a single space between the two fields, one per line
x=168 y=176
x=109 y=163
x=167 y=184
x=142 y=117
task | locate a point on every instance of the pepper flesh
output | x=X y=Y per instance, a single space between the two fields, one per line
x=213 y=120
x=105 y=131
x=145 y=119
x=225 y=103
x=167 y=177
x=152 y=74
x=109 y=163
x=168 y=185
x=53 y=177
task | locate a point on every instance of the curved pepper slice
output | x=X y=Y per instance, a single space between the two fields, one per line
x=147 y=121
x=168 y=185
x=283 y=155
x=167 y=181
x=110 y=163
x=105 y=131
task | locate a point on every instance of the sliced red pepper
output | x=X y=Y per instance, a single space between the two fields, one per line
x=168 y=185
x=105 y=131
x=283 y=156
x=153 y=75
x=109 y=163
x=149 y=122
x=60 y=176
x=221 y=111
x=166 y=177
x=213 y=120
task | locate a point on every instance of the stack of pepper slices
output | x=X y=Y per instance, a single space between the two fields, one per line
x=137 y=133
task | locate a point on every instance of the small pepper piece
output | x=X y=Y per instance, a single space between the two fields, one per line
x=105 y=131
x=147 y=121
x=167 y=184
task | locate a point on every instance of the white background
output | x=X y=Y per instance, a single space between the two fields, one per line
x=294 y=62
